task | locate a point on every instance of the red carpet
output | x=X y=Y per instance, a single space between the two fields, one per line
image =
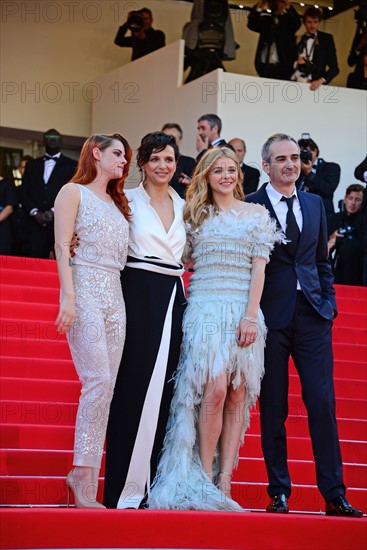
x=39 y=393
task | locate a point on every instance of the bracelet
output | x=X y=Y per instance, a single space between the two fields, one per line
x=251 y=319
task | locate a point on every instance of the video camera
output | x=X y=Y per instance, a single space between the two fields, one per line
x=304 y=145
x=135 y=21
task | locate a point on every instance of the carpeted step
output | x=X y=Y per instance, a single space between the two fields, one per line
x=351 y=292
x=55 y=403
x=36 y=348
x=30 y=330
x=36 y=462
x=39 y=368
x=63 y=369
x=22 y=319
x=40 y=436
x=19 y=310
x=356 y=352
x=301 y=471
x=174 y=529
x=52 y=491
x=349 y=335
x=32 y=294
x=30 y=346
x=37 y=412
x=57 y=463
x=350 y=305
x=28 y=390
x=27 y=264
x=352 y=319
x=54 y=400
x=344 y=387
x=31 y=278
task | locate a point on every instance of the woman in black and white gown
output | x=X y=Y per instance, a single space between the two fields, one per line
x=154 y=297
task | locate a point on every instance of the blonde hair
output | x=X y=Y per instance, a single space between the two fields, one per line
x=199 y=194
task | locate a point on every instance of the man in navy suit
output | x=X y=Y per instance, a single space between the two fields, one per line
x=42 y=180
x=299 y=305
x=316 y=59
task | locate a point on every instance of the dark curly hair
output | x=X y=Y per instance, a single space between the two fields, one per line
x=154 y=143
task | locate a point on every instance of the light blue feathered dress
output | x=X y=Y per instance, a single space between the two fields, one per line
x=222 y=251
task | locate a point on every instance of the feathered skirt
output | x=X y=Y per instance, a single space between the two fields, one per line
x=209 y=349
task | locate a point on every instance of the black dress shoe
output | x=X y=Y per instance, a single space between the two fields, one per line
x=339 y=506
x=278 y=504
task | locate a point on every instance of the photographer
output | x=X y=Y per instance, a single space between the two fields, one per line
x=346 y=241
x=316 y=61
x=144 y=39
x=277 y=23
x=358 y=53
x=317 y=176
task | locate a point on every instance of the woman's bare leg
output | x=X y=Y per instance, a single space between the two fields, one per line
x=211 y=421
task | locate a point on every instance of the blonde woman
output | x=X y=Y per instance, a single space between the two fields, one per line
x=221 y=364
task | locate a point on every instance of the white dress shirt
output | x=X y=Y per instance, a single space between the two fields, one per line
x=49 y=166
x=147 y=235
x=281 y=209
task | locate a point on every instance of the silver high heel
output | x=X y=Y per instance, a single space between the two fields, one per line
x=79 y=489
x=223 y=486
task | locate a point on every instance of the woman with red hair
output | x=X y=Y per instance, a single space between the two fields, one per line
x=92 y=309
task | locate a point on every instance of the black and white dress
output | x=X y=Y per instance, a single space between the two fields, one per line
x=154 y=298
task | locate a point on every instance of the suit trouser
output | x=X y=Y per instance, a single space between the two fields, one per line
x=40 y=240
x=308 y=340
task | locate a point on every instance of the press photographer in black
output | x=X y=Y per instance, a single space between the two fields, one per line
x=347 y=240
x=277 y=22
x=144 y=39
x=358 y=54
x=317 y=176
x=316 y=60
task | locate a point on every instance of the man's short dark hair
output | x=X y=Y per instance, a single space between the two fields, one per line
x=309 y=143
x=146 y=10
x=356 y=187
x=51 y=132
x=174 y=125
x=213 y=120
x=313 y=12
x=26 y=157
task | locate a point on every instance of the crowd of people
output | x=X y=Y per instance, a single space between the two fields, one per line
x=186 y=371
x=310 y=57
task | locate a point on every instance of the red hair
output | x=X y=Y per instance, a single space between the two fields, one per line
x=86 y=171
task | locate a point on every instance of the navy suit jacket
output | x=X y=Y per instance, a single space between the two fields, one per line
x=310 y=266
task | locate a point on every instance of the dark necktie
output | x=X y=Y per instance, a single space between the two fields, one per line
x=310 y=36
x=49 y=157
x=292 y=230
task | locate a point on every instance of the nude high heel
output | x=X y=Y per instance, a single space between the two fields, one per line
x=80 y=489
x=225 y=486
